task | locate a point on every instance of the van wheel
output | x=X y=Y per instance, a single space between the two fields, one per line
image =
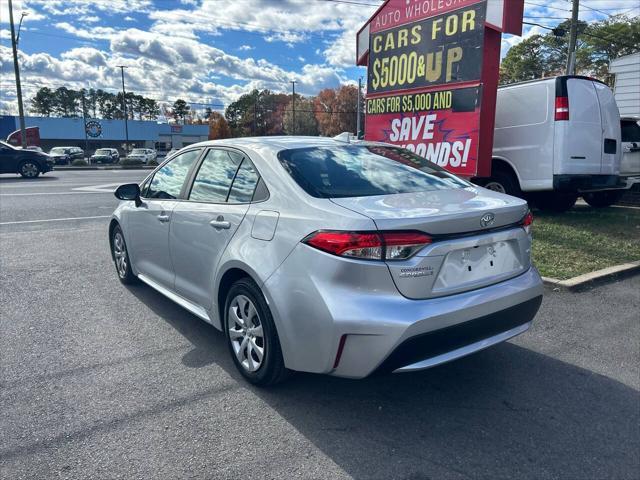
x=503 y=182
x=554 y=201
x=603 y=199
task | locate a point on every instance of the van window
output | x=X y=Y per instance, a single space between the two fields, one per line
x=583 y=101
x=630 y=131
x=522 y=105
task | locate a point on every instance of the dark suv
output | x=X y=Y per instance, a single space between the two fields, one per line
x=28 y=163
x=66 y=155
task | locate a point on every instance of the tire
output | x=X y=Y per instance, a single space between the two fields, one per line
x=603 y=199
x=29 y=169
x=503 y=181
x=246 y=316
x=555 y=202
x=120 y=256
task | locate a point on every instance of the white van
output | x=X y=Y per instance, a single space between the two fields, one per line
x=554 y=139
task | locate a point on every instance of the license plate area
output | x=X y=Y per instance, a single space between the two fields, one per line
x=478 y=265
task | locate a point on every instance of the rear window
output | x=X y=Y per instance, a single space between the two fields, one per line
x=360 y=171
x=103 y=151
x=630 y=131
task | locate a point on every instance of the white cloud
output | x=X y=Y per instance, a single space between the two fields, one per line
x=245 y=48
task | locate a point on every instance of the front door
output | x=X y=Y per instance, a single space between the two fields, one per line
x=8 y=159
x=202 y=227
x=149 y=224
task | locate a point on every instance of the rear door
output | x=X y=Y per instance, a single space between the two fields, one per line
x=580 y=138
x=201 y=227
x=610 y=120
x=149 y=223
x=630 y=163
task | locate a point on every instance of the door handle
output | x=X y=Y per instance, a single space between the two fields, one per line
x=163 y=218
x=220 y=223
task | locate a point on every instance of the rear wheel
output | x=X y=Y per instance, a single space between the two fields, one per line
x=502 y=181
x=29 y=169
x=554 y=201
x=603 y=199
x=251 y=335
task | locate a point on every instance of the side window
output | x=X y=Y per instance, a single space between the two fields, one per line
x=167 y=182
x=215 y=176
x=244 y=184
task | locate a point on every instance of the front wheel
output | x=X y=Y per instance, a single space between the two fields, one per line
x=502 y=181
x=603 y=199
x=251 y=335
x=29 y=169
x=121 y=257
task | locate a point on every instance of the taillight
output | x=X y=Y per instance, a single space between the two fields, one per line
x=369 y=245
x=562 y=108
x=527 y=221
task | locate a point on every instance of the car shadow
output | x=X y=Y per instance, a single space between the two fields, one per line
x=506 y=412
x=15 y=178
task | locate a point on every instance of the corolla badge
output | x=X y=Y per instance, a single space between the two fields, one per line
x=487 y=219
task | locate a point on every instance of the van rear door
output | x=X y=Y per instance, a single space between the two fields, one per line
x=578 y=139
x=611 y=141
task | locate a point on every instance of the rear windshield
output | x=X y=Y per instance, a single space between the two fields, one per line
x=361 y=171
x=59 y=150
x=630 y=131
x=103 y=151
x=138 y=151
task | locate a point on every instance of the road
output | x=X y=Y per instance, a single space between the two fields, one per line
x=103 y=381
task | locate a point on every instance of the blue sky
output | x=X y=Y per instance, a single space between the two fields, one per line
x=209 y=51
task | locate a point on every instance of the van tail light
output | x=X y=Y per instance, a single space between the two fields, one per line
x=562 y=108
x=527 y=221
x=369 y=245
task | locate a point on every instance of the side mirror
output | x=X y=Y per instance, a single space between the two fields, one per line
x=129 y=191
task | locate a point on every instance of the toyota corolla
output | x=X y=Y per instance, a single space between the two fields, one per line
x=324 y=256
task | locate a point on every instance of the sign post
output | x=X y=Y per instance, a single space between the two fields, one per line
x=433 y=76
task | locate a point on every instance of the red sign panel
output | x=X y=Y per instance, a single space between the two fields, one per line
x=441 y=126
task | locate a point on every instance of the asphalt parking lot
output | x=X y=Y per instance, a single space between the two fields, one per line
x=102 y=381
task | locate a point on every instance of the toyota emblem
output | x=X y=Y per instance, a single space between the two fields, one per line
x=487 y=219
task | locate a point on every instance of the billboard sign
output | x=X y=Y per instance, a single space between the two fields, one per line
x=432 y=77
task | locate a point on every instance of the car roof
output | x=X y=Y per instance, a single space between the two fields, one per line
x=278 y=143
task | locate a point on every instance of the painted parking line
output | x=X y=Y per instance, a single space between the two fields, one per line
x=68 y=219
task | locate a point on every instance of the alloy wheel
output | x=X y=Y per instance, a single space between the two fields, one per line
x=245 y=333
x=120 y=254
x=29 y=170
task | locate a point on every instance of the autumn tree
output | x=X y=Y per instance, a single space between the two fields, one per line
x=218 y=126
x=336 y=110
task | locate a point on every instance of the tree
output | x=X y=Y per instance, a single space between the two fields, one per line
x=598 y=43
x=207 y=113
x=150 y=109
x=43 y=102
x=218 y=126
x=336 y=110
x=180 y=109
x=305 y=120
x=66 y=102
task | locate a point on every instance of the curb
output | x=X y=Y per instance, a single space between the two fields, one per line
x=594 y=278
x=113 y=167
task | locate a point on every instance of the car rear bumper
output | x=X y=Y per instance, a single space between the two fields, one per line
x=318 y=310
x=584 y=183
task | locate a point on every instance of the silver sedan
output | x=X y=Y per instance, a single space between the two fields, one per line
x=325 y=256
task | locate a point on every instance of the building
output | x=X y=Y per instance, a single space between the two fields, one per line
x=627 y=83
x=58 y=132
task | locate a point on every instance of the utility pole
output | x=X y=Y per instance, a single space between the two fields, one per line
x=84 y=120
x=573 y=37
x=22 y=15
x=359 y=102
x=124 y=109
x=293 y=105
x=16 y=68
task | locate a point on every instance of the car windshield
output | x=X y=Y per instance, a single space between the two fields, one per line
x=59 y=150
x=103 y=151
x=360 y=170
x=138 y=151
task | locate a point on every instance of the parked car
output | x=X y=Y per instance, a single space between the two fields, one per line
x=629 y=165
x=143 y=154
x=554 y=139
x=323 y=256
x=65 y=155
x=27 y=163
x=105 y=155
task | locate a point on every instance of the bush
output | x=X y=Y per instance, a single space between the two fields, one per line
x=131 y=162
x=80 y=162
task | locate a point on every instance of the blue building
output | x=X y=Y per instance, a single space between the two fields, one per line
x=61 y=132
